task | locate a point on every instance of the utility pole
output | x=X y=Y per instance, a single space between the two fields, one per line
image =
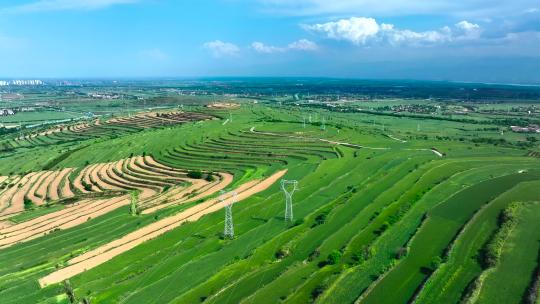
x=228 y=231
x=289 y=187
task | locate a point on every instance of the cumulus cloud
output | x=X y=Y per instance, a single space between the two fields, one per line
x=219 y=48
x=61 y=5
x=299 y=45
x=467 y=30
x=364 y=31
x=356 y=30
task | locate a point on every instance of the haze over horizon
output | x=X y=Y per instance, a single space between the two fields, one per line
x=476 y=41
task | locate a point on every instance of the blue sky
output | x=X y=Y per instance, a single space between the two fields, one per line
x=474 y=40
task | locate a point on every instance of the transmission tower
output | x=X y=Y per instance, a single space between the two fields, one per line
x=304 y=122
x=288 y=187
x=323 y=123
x=228 y=231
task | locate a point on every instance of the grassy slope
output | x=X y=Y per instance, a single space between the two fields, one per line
x=509 y=280
x=449 y=281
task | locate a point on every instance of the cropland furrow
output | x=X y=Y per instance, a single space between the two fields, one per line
x=518 y=258
x=285 y=276
x=227 y=150
x=16 y=201
x=383 y=250
x=199 y=189
x=151 y=165
x=109 y=251
x=202 y=164
x=138 y=171
x=65 y=221
x=240 y=274
x=442 y=224
x=32 y=193
x=54 y=190
x=375 y=195
x=181 y=152
x=449 y=281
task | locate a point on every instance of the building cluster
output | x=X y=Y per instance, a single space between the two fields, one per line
x=104 y=95
x=13 y=111
x=527 y=129
x=28 y=82
x=6 y=112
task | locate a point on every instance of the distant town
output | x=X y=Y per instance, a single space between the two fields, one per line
x=26 y=82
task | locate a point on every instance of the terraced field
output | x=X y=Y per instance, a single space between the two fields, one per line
x=98 y=129
x=376 y=220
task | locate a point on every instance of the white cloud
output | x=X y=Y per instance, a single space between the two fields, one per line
x=468 y=30
x=303 y=45
x=476 y=8
x=364 y=31
x=266 y=49
x=61 y=5
x=299 y=45
x=219 y=48
x=154 y=55
x=356 y=30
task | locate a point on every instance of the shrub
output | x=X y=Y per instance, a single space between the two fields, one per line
x=490 y=253
x=282 y=253
x=298 y=222
x=87 y=186
x=320 y=219
x=435 y=263
x=195 y=174
x=334 y=257
x=28 y=204
x=317 y=291
x=401 y=252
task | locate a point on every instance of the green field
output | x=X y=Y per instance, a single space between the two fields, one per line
x=379 y=216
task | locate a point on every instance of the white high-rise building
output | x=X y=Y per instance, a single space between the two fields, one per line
x=32 y=82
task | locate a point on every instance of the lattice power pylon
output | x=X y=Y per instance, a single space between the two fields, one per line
x=228 y=198
x=289 y=187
